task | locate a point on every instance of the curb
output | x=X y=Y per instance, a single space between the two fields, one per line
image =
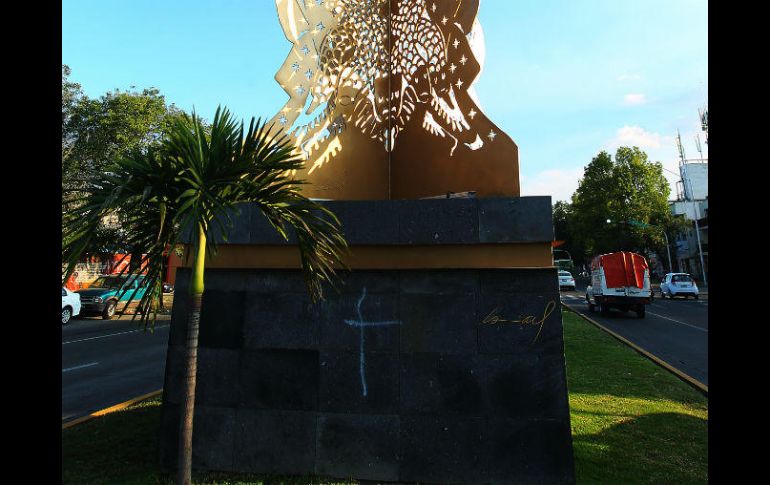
x=110 y=409
x=681 y=375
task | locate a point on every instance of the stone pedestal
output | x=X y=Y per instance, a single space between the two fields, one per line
x=439 y=359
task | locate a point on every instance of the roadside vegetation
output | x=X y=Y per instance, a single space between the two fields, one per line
x=632 y=422
x=194 y=180
x=620 y=204
x=170 y=174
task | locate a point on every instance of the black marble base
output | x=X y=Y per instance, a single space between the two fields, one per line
x=442 y=376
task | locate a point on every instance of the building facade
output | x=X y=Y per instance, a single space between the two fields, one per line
x=692 y=205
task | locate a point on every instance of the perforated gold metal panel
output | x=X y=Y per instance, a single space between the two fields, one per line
x=380 y=100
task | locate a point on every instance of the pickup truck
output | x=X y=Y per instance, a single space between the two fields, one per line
x=619 y=280
x=102 y=296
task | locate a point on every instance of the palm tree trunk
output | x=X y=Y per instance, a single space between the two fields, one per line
x=184 y=476
x=162 y=208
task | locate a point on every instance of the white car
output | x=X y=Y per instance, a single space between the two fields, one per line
x=70 y=305
x=566 y=280
x=678 y=284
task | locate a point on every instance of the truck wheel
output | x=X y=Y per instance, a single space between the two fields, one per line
x=604 y=309
x=109 y=310
x=696 y=297
x=640 y=311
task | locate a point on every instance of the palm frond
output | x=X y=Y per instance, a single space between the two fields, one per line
x=196 y=178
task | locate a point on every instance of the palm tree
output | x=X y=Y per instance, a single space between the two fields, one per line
x=139 y=191
x=193 y=183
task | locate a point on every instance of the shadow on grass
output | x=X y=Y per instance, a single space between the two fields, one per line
x=655 y=448
x=632 y=422
x=121 y=447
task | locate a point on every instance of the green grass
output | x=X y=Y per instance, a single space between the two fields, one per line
x=632 y=422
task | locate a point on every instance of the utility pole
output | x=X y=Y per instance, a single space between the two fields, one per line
x=697 y=233
x=684 y=176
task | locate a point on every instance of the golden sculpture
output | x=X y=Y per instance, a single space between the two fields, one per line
x=381 y=101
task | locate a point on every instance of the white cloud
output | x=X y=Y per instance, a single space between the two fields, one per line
x=636 y=136
x=634 y=99
x=659 y=148
x=560 y=184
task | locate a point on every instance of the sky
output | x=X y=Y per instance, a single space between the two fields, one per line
x=565 y=79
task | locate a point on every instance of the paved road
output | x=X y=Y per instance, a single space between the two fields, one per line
x=108 y=362
x=675 y=331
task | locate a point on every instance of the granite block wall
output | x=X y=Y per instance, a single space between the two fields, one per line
x=430 y=376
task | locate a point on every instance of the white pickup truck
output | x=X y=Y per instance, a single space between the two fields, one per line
x=619 y=280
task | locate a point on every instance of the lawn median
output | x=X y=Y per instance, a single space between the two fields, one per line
x=632 y=422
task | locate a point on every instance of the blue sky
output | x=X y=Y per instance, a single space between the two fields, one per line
x=564 y=78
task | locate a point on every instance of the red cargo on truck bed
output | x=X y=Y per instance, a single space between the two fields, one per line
x=622 y=269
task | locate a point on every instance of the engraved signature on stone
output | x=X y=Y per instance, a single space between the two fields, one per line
x=361 y=323
x=494 y=318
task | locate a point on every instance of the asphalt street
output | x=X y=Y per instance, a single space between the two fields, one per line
x=106 y=362
x=675 y=331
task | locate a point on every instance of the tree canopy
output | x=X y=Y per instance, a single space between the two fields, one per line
x=620 y=204
x=97 y=131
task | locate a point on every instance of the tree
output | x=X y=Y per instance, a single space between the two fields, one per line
x=563 y=222
x=621 y=204
x=70 y=93
x=193 y=182
x=95 y=132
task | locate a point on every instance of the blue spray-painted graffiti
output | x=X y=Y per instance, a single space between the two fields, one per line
x=362 y=324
